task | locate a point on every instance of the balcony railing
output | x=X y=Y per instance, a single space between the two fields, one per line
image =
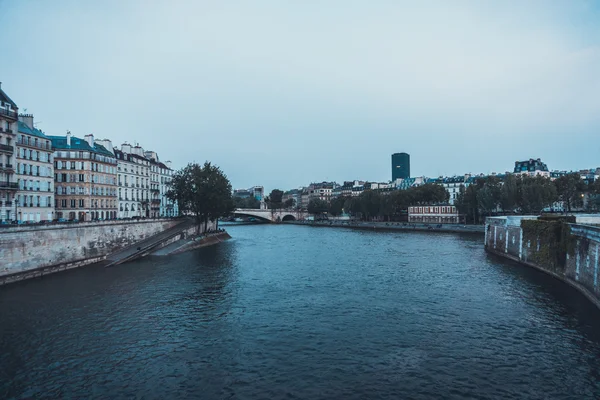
x=8 y=148
x=8 y=113
x=9 y=185
x=43 y=146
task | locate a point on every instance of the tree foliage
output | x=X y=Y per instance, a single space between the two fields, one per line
x=570 y=190
x=337 y=205
x=275 y=199
x=248 y=202
x=535 y=194
x=317 y=206
x=202 y=191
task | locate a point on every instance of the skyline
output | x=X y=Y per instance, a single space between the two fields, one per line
x=284 y=95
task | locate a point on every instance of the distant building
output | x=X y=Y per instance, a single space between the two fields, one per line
x=400 y=166
x=452 y=185
x=435 y=214
x=531 y=167
x=321 y=190
x=295 y=195
x=258 y=192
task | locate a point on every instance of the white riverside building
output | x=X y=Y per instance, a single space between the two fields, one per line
x=160 y=177
x=35 y=173
x=133 y=179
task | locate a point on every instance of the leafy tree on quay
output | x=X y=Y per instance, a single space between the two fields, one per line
x=370 y=202
x=594 y=196
x=509 y=196
x=317 y=207
x=535 y=194
x=570 y=190
x=275 y=199
x=202 y=191
x=336 y=206
x=289 y=204
x=489 y=196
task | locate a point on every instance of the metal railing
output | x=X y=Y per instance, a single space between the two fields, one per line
x=8 y=113
x=42 y=146
x=9 y=185
x=8 y=148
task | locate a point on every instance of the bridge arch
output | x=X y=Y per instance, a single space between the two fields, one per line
x=288 y=217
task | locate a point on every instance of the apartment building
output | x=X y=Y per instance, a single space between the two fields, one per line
x=35 y=173
x=133 y=179
x=8 y=132
x=85 y=175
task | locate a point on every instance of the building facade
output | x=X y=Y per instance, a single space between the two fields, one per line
x=400 y=166
x=161 y=175
x=8 y=180
x=85 y=178
x=167 y=206
x=133 y=180
x=436 y=214
x=531 y=167
x=35 y=173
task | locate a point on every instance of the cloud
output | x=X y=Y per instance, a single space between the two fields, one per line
x=287 y=93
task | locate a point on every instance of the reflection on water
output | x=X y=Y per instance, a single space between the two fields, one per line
x=295 y=312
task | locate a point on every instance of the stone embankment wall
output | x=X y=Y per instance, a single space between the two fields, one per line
x=566 y=250
x=395 y=226
x=24 y=249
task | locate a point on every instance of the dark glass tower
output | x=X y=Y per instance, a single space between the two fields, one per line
x=400 y=166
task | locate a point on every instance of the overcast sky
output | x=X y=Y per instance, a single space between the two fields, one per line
x=282 y=93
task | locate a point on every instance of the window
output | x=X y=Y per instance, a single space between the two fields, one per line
x=63 y=203
x=81 y=203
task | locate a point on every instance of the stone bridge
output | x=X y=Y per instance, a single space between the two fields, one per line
x=270 y=215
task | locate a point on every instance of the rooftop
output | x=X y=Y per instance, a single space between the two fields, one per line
x=60 y=143
x=23 y=128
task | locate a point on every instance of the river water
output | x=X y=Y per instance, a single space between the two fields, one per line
x=294 y=312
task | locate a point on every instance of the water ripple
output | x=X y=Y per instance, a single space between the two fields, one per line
x=288 y=312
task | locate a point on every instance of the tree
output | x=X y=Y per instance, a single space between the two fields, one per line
x=289 y=203
x=570 y=190
x=509 y=194
x=370 y=203
x=248 y=202
x=317 y=206
x=535 y=194
x=203 y=191
x=489 y=196
x=275 y=199
x=336 y=207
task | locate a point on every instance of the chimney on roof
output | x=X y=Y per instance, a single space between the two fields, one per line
x=106 y=143
x=90 y=139
x=27 y=119
x=69 y=138
x=126 y=148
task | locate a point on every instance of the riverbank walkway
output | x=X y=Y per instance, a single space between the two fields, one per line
x=146 y=245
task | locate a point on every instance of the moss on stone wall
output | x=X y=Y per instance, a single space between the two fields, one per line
x=555 y=242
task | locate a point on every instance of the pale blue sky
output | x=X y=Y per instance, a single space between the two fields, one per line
x=283 y=93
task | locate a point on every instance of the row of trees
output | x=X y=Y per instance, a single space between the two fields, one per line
x=525 y=194
x=484 y=197
x=372 y=204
